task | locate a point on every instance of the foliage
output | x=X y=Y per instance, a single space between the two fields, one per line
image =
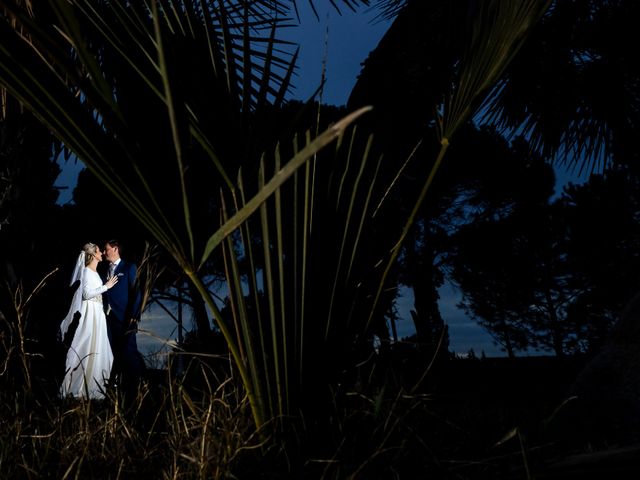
x=517 y=283
x=303 y=283
x=87 y=81
x=601 y=215
x=486 y=54
x=572 y=91
x=118 y=80
x=478 y=419
x=553 y=275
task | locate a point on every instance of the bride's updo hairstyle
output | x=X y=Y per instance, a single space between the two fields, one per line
x=89 y=250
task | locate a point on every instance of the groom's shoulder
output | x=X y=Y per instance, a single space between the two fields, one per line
x=129 y=266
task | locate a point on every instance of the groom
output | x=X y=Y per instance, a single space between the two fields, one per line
x=122 y=307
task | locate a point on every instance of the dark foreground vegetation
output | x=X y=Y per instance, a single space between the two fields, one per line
x=468 y=419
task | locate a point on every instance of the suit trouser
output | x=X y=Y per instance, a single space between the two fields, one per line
x=127 y=361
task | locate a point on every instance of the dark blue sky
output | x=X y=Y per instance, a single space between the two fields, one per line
x=343 y=40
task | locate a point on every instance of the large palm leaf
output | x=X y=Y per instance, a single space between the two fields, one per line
x=98 y=73
x=112 y=83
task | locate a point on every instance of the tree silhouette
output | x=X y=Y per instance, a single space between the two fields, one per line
x=571 y=94
x=554 y=275
x=601 y=216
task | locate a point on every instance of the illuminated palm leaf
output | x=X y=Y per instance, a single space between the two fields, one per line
x=291 y=295
x=156 y=99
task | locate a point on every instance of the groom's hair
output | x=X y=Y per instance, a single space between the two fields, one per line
x=115 y=243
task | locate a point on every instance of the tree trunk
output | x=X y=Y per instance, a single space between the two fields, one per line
x=506 y=339
x=556 y=331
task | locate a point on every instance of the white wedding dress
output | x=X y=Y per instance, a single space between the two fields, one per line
x=89 y=358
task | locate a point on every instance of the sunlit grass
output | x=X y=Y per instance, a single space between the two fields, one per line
x=191 y=427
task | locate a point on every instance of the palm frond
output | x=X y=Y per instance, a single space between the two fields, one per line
x=112 y=81
x=498 y=32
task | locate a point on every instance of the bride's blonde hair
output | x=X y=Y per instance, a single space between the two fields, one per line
x=89 y=250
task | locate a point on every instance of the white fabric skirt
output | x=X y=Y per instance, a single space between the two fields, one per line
x=89 y=358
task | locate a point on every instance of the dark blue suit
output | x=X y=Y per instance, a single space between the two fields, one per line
x=122 y=304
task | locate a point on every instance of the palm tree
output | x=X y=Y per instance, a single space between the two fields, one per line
x=116 y=85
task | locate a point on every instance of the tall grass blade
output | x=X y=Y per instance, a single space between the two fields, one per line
x=279 y=178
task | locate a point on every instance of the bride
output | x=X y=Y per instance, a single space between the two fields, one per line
x=89 y=358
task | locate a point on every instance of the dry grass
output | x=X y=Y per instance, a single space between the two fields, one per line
x=165 y=432
x=199 y=424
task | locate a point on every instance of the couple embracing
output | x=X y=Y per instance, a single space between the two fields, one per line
x=100 y=328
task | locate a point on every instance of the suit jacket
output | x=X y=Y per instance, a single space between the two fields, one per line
x=124 y=297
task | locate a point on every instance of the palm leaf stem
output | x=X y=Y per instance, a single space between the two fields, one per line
x=254 y=292
x=408 y=224
x=297 y=308
x=278 y=179
x=345 y=234
x=270 y=294
x=281 y=277
x=254 y=402
x=304 y=256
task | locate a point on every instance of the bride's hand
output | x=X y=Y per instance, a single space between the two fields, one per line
x=111 y=282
